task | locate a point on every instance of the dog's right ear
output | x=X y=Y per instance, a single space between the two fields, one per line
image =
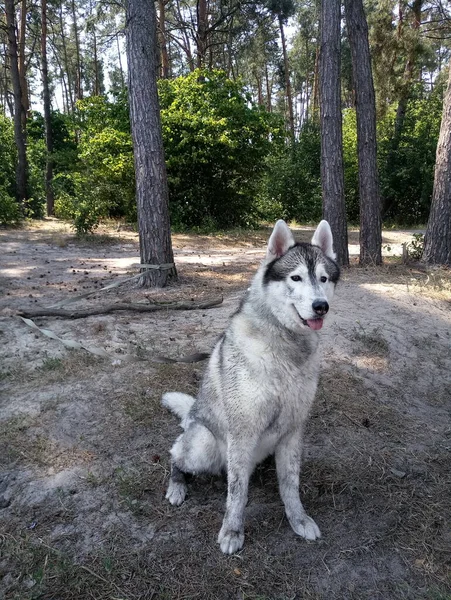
x=280 y=241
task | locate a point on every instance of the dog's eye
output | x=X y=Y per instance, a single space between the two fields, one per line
x=296 y=278
x=323 y=279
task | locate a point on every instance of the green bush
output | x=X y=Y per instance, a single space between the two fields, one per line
x=406 y=163
x=216 y=142
x=291 y=188
x=9 y=209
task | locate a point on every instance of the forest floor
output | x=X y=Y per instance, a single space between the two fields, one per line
x=84 y=442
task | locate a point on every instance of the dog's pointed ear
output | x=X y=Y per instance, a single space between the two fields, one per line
x=323 y=238
x=280 y=241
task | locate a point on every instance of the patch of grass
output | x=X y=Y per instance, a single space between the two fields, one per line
x=373 y=341
x=142 y=401
x=71 y=365
x=51 y=364
x=12 y=434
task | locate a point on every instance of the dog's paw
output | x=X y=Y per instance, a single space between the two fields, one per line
x=176 y=493
x=230 y=541
x=306 y=528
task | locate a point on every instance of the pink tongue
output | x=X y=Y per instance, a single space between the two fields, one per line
x=315 y=323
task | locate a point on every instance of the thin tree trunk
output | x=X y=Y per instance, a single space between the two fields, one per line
x=162 y=39
x=19 y=120
x=332 y=173
x=201 y=37
x=47 y=112
x=97 y=90
x=437 y=242
x=370 y=200
x=151 y=180
x=315 y=99
x=287 y=79
x=78 y=80
x=268 y=89
x=22 y=64
x=121 y=70
x=66 y=61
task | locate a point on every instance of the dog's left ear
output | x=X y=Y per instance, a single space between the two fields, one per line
x=323 y=238
x=280 y=241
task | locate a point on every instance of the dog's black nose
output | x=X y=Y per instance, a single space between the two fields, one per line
x=320 y=307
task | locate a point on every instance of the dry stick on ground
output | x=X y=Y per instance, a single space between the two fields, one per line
x=80 y=314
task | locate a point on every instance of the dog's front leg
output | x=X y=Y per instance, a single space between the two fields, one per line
x=288 y=464
x=239 y=464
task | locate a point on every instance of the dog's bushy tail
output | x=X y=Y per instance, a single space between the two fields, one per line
x=179 y=403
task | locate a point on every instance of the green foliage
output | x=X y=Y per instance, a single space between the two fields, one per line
x=292 y=188
x=416 y=246
x=351 y=167
x=216 y=143
x=406 y=158
x=102 y=180
x=406 y=163
x=9 y=209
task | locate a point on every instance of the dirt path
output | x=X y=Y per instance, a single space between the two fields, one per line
x=84 y=443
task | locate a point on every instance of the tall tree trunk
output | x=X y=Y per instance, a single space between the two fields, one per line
x=121 y=70
x=78 y=77
x=332 y=174
x=19 y=120
x=163 y=39
x=66 y=61
x=268 y=89
x=288 y=92
x=151 y=180
x=370 y=200
x=97 y=90
x=22 y=64
x=47 y=113
x=437 y=242
x=315 y=101
x=201 y=37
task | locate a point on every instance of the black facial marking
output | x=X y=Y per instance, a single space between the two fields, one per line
x=310 y=256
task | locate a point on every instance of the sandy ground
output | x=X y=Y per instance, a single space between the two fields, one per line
x=84 y=443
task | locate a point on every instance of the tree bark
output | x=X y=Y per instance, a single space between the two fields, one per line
x=78 y=82
x=151 y=179
x=66 y=61
x=332 y=174
x=369 y=192
x=47 y=113
x=163 y=39
x=202 y=28
x=287 y=79
x=22 y=64
x=19 y=119
x=437 y=242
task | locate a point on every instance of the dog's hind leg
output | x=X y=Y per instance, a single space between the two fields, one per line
x=195 y=451
x=288 y=464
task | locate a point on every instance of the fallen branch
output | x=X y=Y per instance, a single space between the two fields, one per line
x=136 y=307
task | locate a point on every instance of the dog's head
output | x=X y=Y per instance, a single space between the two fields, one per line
x=299 y=279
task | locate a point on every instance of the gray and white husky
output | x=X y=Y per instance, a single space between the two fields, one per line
x=260 y=383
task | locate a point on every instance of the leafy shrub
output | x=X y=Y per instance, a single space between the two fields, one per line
x=216 y=143
x=405 y=160
x=291 y=187
x=406 y=163
x=9 y=209
x=416 y=246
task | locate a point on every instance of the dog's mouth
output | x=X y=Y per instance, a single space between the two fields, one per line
x=314 y=324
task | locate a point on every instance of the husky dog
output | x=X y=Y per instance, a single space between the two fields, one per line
x=260 y=383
